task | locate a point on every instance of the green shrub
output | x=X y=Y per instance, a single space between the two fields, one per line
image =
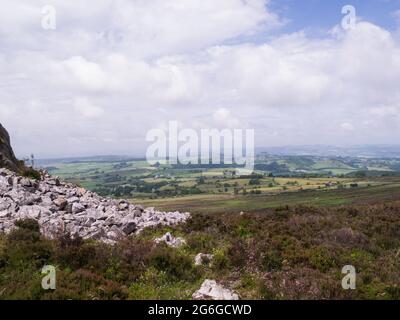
x=271 y=261
x=238 y=254
x=157 y=285
x=221 y=261
x=201 y=242
x=265 y=293
x=394 y=292
x=31 y=174
x=130 y=259
x=320 y=258
x=25 y=245
x=85 y=285
x=244 y=228
x=74 y=252
x=199 y=222
x=28 y=224
x=176 y=264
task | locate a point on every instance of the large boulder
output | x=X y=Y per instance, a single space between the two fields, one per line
x=7 y=157
x=211 y=290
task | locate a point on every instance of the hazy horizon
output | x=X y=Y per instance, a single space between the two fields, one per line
x=104 y=77
x=284 y=150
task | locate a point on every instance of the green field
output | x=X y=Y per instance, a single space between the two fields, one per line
x=321 y=182
x=223 y=203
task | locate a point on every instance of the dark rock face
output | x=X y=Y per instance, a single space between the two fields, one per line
x=7 y=157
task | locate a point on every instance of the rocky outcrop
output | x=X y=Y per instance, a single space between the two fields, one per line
x=7 y=157
x=211 y=290
x=61 y=207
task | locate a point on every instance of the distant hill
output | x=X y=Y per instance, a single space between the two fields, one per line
x=92 y=159
x=366 y=151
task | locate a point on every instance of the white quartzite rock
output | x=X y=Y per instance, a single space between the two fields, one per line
x=211 y=290
x=63 y=207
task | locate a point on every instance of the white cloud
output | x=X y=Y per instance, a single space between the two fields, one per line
x=88 y=74
x=347 y=126
x=224 y=118
x=86 y=109
x=106 y=76
x=385 y=111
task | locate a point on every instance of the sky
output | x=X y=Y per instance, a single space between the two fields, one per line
x=111 y=71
